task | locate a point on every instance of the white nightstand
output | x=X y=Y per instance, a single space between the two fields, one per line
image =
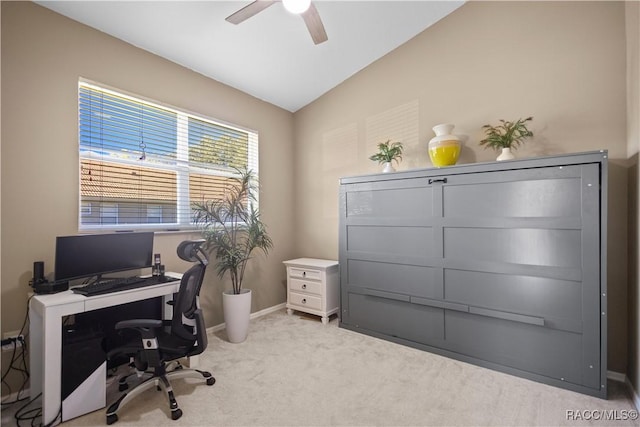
x=313 y=287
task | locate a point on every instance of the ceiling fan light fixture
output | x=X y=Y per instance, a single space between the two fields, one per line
x=296 y=6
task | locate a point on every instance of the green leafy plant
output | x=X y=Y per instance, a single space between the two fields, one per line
x=388 y=152
x=232 y=227
x=507 y=134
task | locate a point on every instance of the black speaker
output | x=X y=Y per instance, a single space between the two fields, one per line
x=47 y=287
x=38 y=272
x=41 y=285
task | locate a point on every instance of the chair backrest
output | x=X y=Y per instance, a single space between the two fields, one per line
x=188 y=321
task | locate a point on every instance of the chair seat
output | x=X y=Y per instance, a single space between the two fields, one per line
x=169 y=347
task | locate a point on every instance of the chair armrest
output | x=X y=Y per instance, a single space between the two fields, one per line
x=139 y=323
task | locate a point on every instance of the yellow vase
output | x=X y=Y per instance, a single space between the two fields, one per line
x=444 y=153
x=444 y=148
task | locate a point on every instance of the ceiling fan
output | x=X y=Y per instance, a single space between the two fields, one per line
x=300 y=7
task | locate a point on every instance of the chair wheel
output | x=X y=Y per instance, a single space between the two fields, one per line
x=211 y=381
x=112 y=418
x=176 y=414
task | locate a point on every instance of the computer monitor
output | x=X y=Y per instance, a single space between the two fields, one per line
x=97 y=254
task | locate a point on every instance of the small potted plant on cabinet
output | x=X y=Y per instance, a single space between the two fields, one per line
x=387 y=153
x=233 y=229
x=506 y=136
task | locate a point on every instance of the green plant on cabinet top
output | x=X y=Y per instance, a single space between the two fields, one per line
x=507 y=134
x=388 y=152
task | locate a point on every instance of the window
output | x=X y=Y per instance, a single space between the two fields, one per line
x=109 y=213
x=143 y=164
x=154 y=214
x=85 y=208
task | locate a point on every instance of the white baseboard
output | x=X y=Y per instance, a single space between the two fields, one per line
x=620 y=377
x=617 y=376
x=268 y=310
x=255 y=315
x=634 y=393
x=13 y=396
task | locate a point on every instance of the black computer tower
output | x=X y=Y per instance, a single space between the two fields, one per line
x=86 y=339
x=84 y=371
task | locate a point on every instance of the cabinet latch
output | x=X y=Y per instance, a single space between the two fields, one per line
x=434 y=180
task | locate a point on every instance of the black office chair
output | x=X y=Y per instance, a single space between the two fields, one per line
x=162 y=343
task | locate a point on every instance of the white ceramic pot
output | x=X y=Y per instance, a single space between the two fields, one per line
x=444 y=148
x=388 y=167
x=506 y=155
x=237 y=309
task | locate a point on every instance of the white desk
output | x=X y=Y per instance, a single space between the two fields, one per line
x=46 y=313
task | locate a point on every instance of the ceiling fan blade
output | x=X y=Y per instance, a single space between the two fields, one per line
x=248 y=11
x=314 y=25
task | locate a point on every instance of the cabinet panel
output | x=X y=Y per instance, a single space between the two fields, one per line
x=384 y=202
x=531 y=348
x=397 y=318
x=401 y=278
x=556 y=248
x=555 y=300
x=558 y=197
x=394 y=241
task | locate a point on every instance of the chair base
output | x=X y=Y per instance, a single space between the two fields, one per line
x=160 y=379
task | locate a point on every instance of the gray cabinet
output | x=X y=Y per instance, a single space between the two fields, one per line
x=498 y=264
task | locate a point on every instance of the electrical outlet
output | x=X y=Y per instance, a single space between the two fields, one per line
x=11 y=342
x=10 y=334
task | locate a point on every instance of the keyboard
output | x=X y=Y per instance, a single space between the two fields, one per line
x=115 y=285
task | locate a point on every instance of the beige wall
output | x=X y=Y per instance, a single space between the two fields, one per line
x=561 y=62
x=43 y=55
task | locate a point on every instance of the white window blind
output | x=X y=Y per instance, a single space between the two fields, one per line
x=143 y=164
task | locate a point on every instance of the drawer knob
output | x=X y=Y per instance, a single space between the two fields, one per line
x=304 y=274
x=304 y=300
x=304 y=286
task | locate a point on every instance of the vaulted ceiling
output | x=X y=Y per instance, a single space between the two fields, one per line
x=270 y=55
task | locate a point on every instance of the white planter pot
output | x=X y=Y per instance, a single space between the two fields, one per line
x=506 y=155
x=237 y=309
x=388 y=168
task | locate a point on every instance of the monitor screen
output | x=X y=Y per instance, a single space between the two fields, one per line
x=97 y=254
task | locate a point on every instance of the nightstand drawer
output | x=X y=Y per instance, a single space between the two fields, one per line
x=305 y=273
x=306 y=286
x=305 y=301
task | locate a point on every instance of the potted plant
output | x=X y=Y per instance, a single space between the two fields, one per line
x=233 y=230
x=506 y=136
x=387 y=153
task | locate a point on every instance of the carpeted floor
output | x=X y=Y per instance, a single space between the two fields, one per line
x=294 y=371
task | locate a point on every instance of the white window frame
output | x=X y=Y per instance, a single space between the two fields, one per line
x=182 y=167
